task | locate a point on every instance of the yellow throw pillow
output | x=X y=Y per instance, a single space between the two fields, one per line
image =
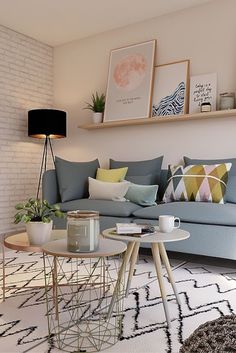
x=111 y=175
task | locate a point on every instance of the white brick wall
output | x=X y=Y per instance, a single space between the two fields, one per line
x=26 y=82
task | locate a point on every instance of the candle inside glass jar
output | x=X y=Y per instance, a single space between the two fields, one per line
x=82 y=231
x=227 y=100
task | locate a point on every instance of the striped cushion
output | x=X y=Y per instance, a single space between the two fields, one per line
x=197 y=183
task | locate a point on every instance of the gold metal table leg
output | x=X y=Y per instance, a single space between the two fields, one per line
x=54 y=283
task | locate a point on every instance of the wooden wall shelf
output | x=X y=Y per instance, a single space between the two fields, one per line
x=158 y=120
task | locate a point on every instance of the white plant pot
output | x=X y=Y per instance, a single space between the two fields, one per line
x=39 y=233
x=97 y=118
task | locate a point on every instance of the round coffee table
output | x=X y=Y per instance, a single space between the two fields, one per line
x=156 y=240
x=79 y=289
x=20 y=242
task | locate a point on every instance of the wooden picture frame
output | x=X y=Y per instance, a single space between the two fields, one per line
x=129 y=83
x=171 y=89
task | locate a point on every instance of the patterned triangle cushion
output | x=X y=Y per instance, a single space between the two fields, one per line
x=205 y=183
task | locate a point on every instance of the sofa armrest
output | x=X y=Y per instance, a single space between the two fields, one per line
x=50 y=191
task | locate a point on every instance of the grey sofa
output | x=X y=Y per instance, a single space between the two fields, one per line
x=212 y=226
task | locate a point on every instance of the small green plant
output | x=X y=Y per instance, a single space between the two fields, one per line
x=35 y=210
x=98 y=103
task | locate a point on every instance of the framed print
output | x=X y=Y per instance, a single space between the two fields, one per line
x=171 y=89
x=202 y=90
x=129 y=84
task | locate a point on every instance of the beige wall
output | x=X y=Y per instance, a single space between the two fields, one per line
x=206 y=35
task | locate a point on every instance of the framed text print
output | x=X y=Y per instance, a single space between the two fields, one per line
x=171 y=89
x=202 y=90
x=129 y=84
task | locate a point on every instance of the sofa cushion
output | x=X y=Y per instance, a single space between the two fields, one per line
x=163 y=183
x=140 y=179
x=143 y=195
x=104 y=207
x=206 y=183
x=230 y=195
x=146 y=167
x=193 y=212
x=102 y=190
x=111 y=175
x=73 y=178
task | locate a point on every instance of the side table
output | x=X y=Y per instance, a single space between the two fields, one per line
x=20 y=242
x=156 y=240
x=79 y=289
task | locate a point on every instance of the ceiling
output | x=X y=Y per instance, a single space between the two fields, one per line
x=56 y=22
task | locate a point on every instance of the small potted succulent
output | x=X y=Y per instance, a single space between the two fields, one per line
x=97 y=105
x=37 y=215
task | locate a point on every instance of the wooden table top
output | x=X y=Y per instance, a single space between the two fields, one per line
x=20 y=241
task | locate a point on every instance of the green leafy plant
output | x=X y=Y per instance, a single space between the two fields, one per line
x=98 y=103
x=35 y=210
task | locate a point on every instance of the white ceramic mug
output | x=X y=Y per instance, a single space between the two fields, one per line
x=167 y=223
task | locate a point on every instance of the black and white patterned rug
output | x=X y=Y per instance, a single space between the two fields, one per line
x=206 y=293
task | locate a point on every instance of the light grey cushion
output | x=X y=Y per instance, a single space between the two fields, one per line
x=147 y=167
x=143 y=195
x=230 y=195
x=193 y=212
x=72 y=178
x=104 y=207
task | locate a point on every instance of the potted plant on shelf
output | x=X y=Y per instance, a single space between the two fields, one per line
x=37 y=214
x=97 y=106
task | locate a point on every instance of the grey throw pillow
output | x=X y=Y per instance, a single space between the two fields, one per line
x=140 y=179
x=145 y=168
x=72 y=178
x=230 y=195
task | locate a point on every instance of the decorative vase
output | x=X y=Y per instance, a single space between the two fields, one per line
x=39 y=233
x=97 y=118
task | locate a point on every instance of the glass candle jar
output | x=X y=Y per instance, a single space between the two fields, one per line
x=227 y=100
x=83 y=231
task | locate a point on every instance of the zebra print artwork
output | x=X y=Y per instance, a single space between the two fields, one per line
x=172 y=104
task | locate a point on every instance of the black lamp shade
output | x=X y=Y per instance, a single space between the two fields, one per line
x=47 y=122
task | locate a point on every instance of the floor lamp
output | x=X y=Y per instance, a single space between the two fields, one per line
x=46 y=124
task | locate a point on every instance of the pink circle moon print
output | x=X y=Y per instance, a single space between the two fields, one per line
x=130 y=72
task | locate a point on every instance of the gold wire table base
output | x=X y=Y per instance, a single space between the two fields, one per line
x=79 y=293
x=18 y=240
